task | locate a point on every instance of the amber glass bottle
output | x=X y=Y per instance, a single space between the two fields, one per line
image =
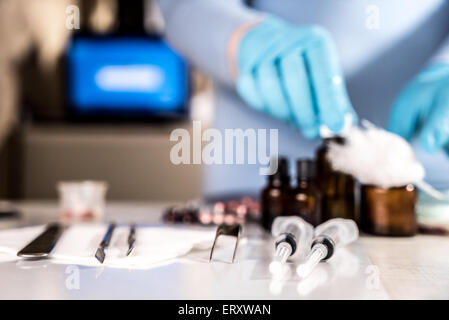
x=275 y=196
x=337 y=188
x=306 y=199
x=389 y=212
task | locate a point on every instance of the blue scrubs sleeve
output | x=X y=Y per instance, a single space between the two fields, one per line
x=200 y=30
x=442 y=54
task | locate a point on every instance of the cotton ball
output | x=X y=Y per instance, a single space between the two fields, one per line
x=376 y=157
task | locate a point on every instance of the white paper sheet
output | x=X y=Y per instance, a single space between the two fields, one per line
x=78 y=244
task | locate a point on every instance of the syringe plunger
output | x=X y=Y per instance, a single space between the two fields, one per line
x=294 y=230
x=283 y=252
x=293 y=238
x=318 y=253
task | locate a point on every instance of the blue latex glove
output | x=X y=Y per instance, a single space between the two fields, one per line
x=422 y=109
x=292 y=73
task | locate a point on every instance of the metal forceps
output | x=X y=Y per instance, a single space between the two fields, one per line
x=233 y=230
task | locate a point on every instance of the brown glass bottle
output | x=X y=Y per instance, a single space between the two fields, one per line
x=337 y=188
x=389 y=212
x=275 y=196
x=306 y=199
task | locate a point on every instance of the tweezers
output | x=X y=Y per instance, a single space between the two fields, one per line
x=233 y=230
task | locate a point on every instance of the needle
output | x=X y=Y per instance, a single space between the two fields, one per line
x=131 y=238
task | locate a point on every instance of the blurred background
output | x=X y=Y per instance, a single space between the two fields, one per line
x=88 y=90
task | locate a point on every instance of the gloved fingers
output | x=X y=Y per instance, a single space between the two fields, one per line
x=269 y=79
x=446 y=149
x=435 y=132
x=258 y=42
x=299 y=95
x=411 y=108
x=260 y=84
x=256 y=45
x=328 y=85
x=404 y=115
x=270 y=89
x=247 y=89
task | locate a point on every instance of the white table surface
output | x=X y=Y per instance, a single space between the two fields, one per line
x=371 y=268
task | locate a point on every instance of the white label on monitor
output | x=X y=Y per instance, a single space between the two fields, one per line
x=141 y=78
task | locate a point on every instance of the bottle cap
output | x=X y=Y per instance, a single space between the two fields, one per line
x=336 y=139
x=305 y=169
x=282 y=171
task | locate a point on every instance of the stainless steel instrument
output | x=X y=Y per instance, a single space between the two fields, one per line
x=100 y=254
x=44 y=243
x=233 y=230
x=131 y=238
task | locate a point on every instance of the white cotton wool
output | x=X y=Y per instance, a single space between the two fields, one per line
x=376 y=157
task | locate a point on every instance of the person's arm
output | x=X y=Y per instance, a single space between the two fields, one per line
x=201 y=30
x=422 y=108
x=286 y=71
x=442 y=55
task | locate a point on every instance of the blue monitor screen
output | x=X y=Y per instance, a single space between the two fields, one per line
x=126 y=74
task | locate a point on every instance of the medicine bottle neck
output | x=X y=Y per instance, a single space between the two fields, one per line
x=336 y=140
x=305 y=172
x=281 y=177
x=279 y=181
x=304 y=182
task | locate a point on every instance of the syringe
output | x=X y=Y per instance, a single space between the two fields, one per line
x=293 y=239
x=329 y=236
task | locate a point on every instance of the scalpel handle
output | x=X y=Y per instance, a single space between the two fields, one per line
x=44 y=243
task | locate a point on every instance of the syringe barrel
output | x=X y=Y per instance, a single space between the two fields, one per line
x=329 y=236
x=319 y=253
x=294 y=230
x=340 y=231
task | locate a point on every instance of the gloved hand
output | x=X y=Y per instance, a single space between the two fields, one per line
x=293 y=73
x=422 y=109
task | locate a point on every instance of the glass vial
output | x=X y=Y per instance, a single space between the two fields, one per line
x=337 y=188
x=275 y=196
x=389 y=212
x=306 y=199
